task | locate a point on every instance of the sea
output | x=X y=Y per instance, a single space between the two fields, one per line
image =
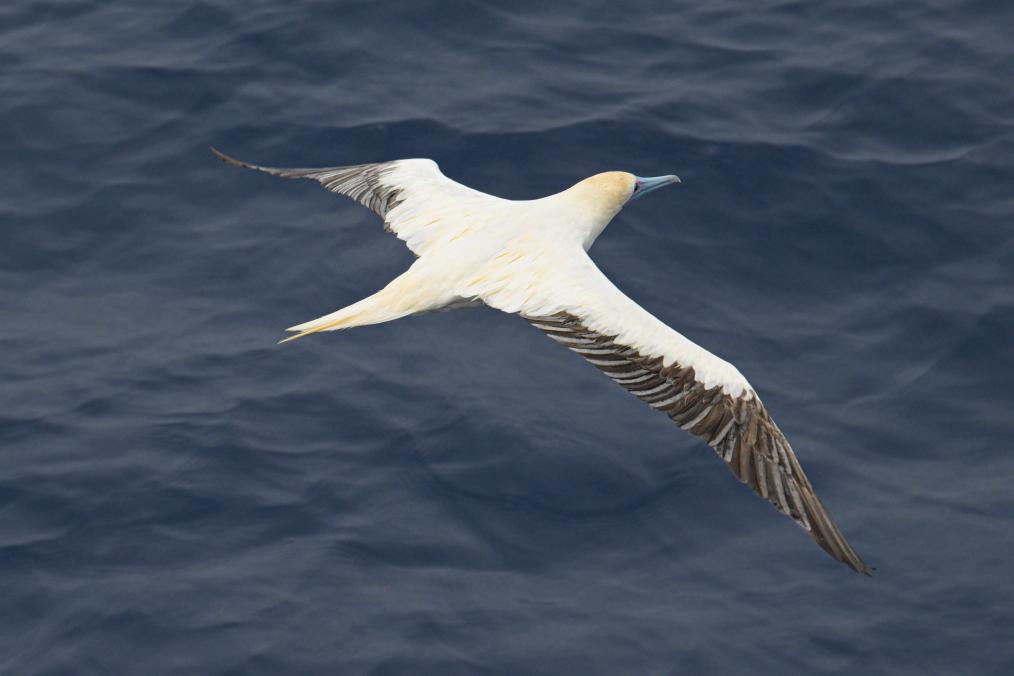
x=453 y=493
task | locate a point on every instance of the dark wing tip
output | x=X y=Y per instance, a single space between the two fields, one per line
x=822 y=527
x=233 y=161
x=222 y=156
x=858 y=565
x=276 y=171
x=853 y=561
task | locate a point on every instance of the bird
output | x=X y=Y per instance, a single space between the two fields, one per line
x=530 y=258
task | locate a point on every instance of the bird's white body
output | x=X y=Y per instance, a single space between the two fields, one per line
x=527 y=257
x=530 y=258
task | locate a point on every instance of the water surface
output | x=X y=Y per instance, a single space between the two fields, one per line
x=454 y=493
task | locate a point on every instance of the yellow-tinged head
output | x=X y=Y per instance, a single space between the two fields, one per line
x=592 y=203
x=606 y=193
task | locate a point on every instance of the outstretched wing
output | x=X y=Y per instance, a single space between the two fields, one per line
x=706 y=396
x=418 y=203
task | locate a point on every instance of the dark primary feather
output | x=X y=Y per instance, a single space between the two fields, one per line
x=739 y=429
x=363 y=182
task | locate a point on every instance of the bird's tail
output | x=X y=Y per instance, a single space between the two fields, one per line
x=402 y=297
x=366 y=311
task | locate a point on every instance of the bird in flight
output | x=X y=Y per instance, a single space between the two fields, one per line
x=530 y=258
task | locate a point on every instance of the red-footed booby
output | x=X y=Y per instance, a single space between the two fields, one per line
x=530 y=258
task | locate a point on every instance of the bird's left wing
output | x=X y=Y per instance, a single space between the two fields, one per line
x=417 y=202
x=578 y=307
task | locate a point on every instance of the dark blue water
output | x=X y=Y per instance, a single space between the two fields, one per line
x=453 y=493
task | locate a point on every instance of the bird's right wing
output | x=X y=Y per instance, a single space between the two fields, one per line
x=571 y=301
x=417 y=202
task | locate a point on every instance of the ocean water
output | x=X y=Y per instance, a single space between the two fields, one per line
x=453 y=493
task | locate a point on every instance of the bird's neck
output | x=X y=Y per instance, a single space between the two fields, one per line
x=583 y=213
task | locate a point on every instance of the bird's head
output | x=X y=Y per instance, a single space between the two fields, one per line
x=597 y=199
x=608 y=192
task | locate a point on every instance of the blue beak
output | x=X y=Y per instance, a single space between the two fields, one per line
x=643 y=186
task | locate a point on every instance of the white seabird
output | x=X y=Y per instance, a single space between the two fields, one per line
x=530 y=258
